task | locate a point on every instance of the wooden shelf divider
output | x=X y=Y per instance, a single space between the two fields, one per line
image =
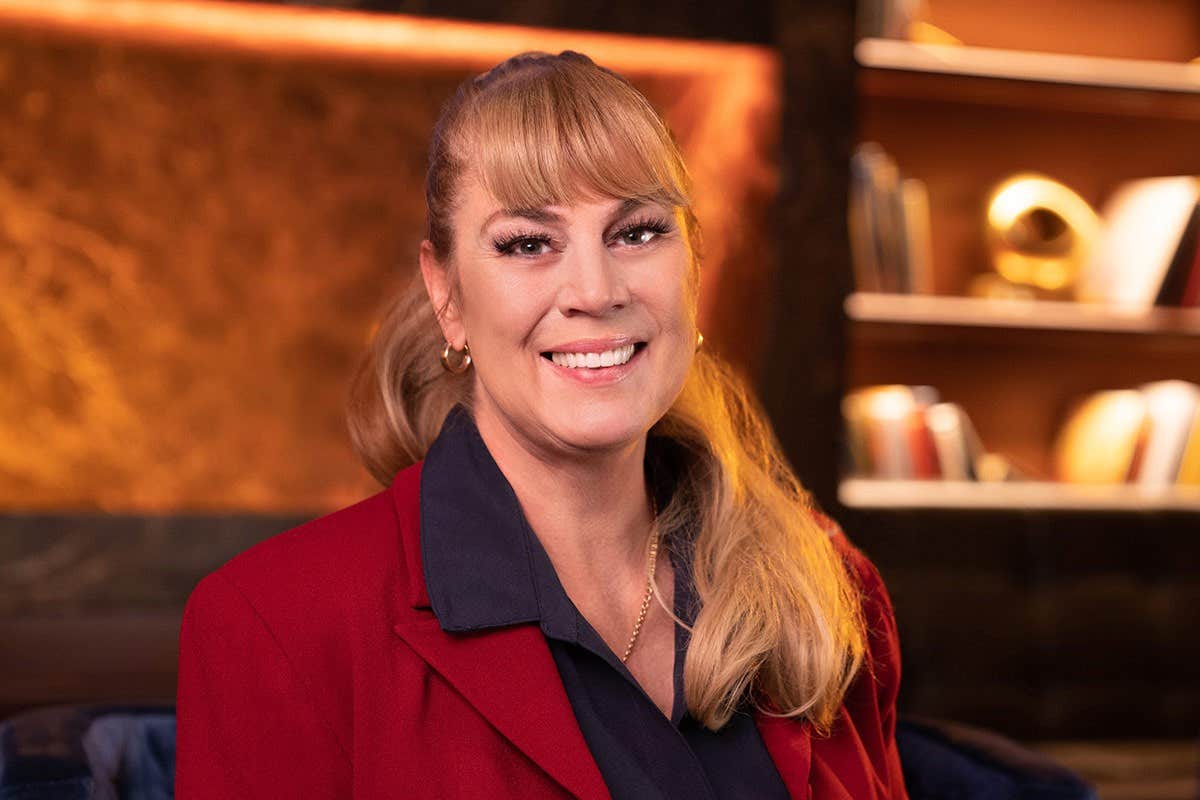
x=1014 y=495
x=1021 y=65
x=943 y=310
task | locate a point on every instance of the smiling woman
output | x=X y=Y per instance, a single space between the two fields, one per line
x=539 y=408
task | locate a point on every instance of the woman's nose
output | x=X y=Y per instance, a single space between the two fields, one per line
x=593 y=283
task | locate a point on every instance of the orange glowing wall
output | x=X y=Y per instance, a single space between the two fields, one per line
x=202 y=207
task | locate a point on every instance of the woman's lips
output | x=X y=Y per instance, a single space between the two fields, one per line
x=592 y=376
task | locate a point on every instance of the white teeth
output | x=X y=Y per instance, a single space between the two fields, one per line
x=609 y=358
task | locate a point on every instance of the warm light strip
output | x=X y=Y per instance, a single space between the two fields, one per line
x=877 y=493
x=336 y=33
x=987 y=62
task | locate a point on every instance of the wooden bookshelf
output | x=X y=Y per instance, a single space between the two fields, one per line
x=1031 y=495
x=1092 y=106
x=1092 y=95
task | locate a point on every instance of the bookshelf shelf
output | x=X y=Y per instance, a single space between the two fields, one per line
x=1031 y=495
x=974 y=312
x=1028 y=66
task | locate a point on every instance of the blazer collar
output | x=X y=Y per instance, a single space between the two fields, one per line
x=475 y=541
x=505 y=669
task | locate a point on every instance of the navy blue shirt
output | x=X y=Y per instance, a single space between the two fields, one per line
x=485 y=568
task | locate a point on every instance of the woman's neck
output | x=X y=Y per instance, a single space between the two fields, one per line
x=590 y=511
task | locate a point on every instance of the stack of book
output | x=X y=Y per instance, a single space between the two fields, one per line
x=1149 y=436
x=898 y=432
x=889 y=225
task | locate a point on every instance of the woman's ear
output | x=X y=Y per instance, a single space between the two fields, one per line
x=437 y=286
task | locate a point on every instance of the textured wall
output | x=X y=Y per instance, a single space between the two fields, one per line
x=195 y=240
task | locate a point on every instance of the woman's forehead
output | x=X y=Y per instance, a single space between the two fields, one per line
x=552 y=209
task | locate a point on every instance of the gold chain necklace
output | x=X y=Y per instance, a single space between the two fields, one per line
x=641 y=617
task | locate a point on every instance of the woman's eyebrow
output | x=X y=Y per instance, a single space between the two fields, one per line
x=627 y=205
x=545 y=215
x=534 y=214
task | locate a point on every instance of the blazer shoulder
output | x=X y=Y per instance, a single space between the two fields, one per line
x=879 y=615
x=341 y=559
x=862 y=570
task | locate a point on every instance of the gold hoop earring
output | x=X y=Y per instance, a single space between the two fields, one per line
x=464 y=359
x=699 y=340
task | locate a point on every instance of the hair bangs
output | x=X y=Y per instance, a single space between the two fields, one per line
x=572 y=133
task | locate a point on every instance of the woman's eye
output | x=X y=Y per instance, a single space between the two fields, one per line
x=642 y=233
x=639 y=235
x=530 y=247
x=523 y=246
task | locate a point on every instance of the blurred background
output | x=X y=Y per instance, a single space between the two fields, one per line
x=953 y=244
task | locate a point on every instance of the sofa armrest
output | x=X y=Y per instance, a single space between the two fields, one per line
x=89 y=752
x=949 y=761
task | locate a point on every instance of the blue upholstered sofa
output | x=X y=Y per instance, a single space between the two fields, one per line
x=98 y=752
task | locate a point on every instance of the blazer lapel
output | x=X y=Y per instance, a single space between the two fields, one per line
x=507 y=674
x=510 y=677
x=790 y=745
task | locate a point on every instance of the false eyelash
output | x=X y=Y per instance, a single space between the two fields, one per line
x=656 y=224
x=505 y=244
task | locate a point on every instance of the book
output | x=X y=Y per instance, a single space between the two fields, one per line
x=886 y=209
x=1144 y=224
x=1097 y=443
x=888 y=436
x=917 y=248
x=886 y=432
x=887 y=416
x=889 y=19
x=1178 y=274
x=1170 y=408
x=1189 y=462
x=1149 y=436
x=921 y=446
x=946 y=425
x=1191 y=290
x=856 y=448
x=889 y=225
x=860 y=219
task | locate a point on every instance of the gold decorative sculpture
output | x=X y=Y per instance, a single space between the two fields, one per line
x=1039 y=233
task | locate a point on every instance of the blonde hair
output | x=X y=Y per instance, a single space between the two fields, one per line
x=779 y=617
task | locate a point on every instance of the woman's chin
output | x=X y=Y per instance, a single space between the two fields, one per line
x=601 y=428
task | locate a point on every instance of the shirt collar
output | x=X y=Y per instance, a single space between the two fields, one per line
x=484 y=567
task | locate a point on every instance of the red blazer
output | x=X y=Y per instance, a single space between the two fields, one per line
x=311 y=666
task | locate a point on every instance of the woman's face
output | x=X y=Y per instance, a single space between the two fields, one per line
x=580 y=318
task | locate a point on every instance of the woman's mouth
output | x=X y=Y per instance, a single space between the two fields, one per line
x=594 y=363
x=606 y=358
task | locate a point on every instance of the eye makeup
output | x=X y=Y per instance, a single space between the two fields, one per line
x=506 y=243
x=658 y=225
